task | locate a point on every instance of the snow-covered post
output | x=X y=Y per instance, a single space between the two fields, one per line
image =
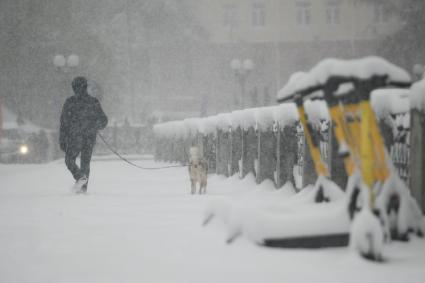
x=266 y=144
x=207 y=131
x=237 y=143
x=417 y=143
x=249 y=142
x=286 y=116
x=224 y=142
x=287 y=154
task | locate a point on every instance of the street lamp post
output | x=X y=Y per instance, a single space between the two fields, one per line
x=242 y=70
x=64 y=64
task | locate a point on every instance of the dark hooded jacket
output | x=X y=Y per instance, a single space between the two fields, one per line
x=81 y=118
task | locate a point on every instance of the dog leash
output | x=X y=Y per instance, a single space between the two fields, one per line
x=133 y=164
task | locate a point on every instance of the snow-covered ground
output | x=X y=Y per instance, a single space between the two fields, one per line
x=144 y=226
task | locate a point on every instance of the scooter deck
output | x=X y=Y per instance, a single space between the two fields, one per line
x=310 y=242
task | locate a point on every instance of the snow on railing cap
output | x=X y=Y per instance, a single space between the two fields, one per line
x=208 y=125
x=177 y=129
x=191 y=126
x=390 y=101
x=157 y=129
x=285 y=113
x=248 y=118
x=417 y=95
x=264 y=116
x=167 y=129
x=163 y=130
x=316 y=110
x=236 y=118
x=224 y=121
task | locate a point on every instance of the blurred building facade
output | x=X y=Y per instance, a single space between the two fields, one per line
x=285 y=36
x=172 y=58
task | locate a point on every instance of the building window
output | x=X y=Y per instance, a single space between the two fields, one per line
x=380 y=12
x=333 y=16
x=303 y=13
x=258 y=14
x=229 y=15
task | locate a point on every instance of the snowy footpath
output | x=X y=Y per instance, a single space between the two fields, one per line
x=144 y=226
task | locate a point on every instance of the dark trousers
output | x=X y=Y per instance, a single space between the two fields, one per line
x=79 y=145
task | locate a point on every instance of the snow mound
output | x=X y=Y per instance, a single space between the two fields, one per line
x=313 y=220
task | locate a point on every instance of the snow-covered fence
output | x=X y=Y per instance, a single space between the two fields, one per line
x=261 y=141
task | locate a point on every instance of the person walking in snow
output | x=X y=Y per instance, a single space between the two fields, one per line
x=82 y=117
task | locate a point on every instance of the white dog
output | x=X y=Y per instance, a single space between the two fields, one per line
x=198 y=170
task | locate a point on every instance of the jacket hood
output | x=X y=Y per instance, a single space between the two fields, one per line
x=79 y=86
